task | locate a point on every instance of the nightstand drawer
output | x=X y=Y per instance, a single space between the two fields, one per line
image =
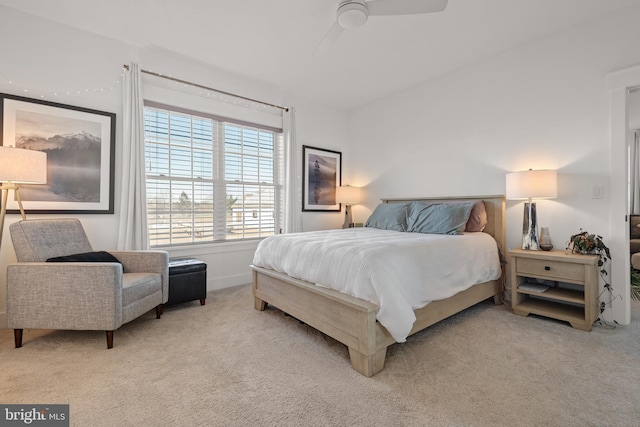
x=555 y=269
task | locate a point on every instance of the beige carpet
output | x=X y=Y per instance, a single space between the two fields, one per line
x=226 y=364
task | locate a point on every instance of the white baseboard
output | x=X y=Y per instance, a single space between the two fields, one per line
x=215 y=283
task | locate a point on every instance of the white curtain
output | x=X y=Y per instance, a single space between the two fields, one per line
x=292 y=220
x=133 y=233
x=634 y=172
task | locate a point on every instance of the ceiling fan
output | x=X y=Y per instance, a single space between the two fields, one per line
x=354 y=13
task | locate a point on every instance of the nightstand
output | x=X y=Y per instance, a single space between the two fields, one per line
x=573 y=279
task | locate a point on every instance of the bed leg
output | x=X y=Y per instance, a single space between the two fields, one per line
x=368 y=365
x=497 y=299
x=259 y=305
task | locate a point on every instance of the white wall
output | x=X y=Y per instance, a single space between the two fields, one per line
x=543 y=105
x=40 y=57
x=634 y=110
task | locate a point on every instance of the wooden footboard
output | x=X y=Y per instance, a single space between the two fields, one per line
x=350 y=320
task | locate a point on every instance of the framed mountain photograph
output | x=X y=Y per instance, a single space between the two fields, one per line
x=80 y=147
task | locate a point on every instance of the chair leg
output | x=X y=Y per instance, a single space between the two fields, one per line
x=159 y=310
x=17 y=336
x=109 y=339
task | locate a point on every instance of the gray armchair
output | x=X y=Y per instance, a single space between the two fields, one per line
x=78 y=295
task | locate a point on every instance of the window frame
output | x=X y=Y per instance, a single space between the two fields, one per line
x=218 y=180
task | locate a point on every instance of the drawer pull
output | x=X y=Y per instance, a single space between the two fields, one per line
x=547 y=268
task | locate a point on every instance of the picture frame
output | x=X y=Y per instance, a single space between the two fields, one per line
x=322 y=175
x=80 y=145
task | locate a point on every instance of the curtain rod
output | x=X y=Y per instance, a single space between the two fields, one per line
x=162 y=76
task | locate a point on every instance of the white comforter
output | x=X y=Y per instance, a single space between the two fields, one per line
x=398 y=271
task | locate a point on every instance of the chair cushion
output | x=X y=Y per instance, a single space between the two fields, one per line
x=37 y=240
x=100 y=256
x=136 y=286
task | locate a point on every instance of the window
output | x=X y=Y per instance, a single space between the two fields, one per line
x=209 y=178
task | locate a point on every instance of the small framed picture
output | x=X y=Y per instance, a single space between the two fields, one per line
x=322 y=175
x=80 y=148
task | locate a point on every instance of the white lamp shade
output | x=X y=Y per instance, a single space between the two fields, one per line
x=22 y=166
x=348 y=195
x=532 y=184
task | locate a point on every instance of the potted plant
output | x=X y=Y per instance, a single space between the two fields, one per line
x=586 y=243
x=635 y=284
x=591 y=244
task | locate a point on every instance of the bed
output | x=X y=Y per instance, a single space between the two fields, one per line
x=352 y=321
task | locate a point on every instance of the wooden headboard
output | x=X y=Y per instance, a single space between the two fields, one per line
x=495 y=206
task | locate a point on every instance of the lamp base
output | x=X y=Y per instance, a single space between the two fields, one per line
x=348 y=220
x=530 y=227
x=4 y=189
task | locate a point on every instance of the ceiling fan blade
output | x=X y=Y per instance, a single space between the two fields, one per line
x=328 y=40
x=405 y=7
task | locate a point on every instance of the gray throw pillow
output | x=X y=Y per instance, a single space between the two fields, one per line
x=438 y=218
x=389 y=216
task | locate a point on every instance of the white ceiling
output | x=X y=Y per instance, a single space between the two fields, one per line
x=273 y=40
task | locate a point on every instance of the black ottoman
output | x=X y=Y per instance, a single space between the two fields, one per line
x=187 y=280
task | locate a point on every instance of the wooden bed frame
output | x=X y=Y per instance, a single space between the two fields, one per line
x=352 y=321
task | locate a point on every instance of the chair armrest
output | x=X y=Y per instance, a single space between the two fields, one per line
x=78 y=295
x=146 y=262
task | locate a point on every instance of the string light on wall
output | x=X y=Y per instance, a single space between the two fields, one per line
x=193 y=88
x=29 y=90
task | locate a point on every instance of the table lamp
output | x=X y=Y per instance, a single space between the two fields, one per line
x=528 y=185
x=349 y=196
x=19 y=166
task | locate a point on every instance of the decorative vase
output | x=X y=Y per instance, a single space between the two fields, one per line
x=545 y=239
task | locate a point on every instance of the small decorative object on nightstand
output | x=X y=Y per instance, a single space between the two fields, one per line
x=545 y=239
x=569 y=288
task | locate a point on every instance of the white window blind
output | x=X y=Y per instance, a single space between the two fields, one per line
x=209 y=179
